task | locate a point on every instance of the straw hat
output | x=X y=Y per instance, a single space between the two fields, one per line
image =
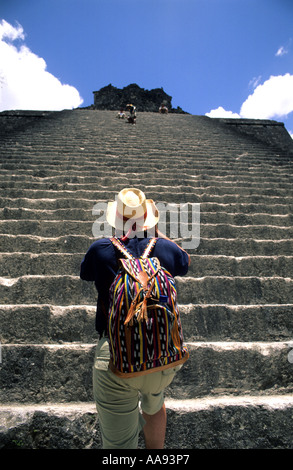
x=131 y=206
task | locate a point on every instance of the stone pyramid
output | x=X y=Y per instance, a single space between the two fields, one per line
x=236 y=302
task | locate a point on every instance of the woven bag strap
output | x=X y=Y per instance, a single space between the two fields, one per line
x=125 y=251
x=121 y=248
x=149 y=248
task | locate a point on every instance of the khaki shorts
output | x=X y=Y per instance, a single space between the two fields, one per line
x=118 y=400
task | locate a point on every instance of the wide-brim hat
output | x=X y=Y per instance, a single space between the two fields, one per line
x=131 y=206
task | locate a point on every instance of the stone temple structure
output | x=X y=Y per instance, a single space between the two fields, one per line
x=235 y=391
x=113 y=98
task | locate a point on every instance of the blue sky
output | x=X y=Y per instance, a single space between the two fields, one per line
x=215 y=57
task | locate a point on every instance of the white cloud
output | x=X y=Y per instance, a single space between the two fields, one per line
x=10 y=32
x=254 y=82
x=220 y=112
x=271 y=100
x=24 y=81
x=281 y=51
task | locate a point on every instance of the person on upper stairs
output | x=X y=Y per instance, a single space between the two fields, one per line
x=121 y=114
x=135 y=221
x=163 y=109
x=132 y=113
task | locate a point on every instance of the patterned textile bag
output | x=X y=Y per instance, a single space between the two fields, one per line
x=144 y=327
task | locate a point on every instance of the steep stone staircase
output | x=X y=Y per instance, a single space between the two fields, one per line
x=236 y=302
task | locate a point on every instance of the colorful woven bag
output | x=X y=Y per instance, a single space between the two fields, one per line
x=144 y=327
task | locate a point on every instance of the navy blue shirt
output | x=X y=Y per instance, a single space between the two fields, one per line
x=100 y=265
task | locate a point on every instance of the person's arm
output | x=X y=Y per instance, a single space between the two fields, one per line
x=161 y=235
x=87 y=267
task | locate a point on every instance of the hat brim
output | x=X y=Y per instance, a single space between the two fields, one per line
x=151 y=220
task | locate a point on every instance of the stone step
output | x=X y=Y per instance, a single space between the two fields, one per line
x=75 y=425
x=189 y=184
x=22 y=263
x=244 y=246
x=218 y=217
x=54 y=290
x=208 y=246
x=143 y=142
x=182 y=138
x=35 y=244
x=44 y=159
x=204 y=265
x=28 y=372
x=235 y=290
x=180 y=190
x=100 y=152
x=224 y=322
x=230 y=423
x=147 y=139
x=169 y=197
x=47 y=324
x=58 y=228
x=106 y=173
x=46 y=176
x=88 y=204
x=131 y=145
x=53 y=324
x=70 y=290
x=49 y=426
